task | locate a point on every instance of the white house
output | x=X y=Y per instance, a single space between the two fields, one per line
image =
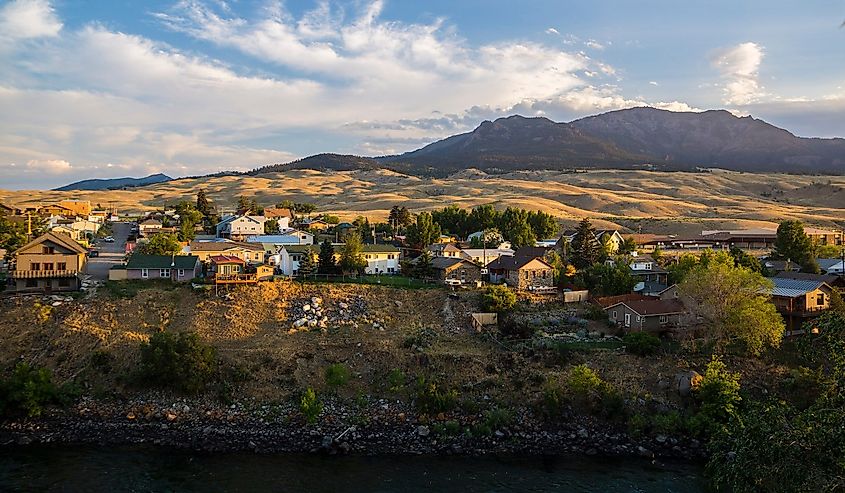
x=288 y=257
x=239 y=227
x=381 y=259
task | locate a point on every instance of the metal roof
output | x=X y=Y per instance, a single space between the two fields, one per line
x=790 y=288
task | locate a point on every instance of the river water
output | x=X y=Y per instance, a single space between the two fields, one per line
x=92 y=469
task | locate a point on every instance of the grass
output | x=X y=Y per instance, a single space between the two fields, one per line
x=130 y=289
x=589 y=346
x=387 y=280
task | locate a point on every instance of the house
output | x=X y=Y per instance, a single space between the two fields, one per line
x=248 y=252
x=178 y=268
x=776 y=266
x=613 y=236
x=149 y=227
x=832 y=265
x=6 y=210
x=456 y=269
x=531 y=251
x=239 y=227
x=68 y=231
x=651 y=315
x=290 y=237
x=799 y=300
x=483 y=256
x=81 y=208
x=233 y=270
x=381 y=259
x=670 y=293
x=445 y=250
x=606 y=301
x=832 y=280
x=289 y=256
x=314 y=224
x=51 y=262
x=651 y=278
x=55 y=210
x=824 y=236
x=522 y=272
x=280 y=214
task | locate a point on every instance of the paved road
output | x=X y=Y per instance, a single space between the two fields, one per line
x=110 y=253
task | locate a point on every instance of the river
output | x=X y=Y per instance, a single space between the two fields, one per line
x=139 y=468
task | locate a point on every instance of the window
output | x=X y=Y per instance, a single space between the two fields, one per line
x=48 y=250
x=390 y=270
x=164 y=273
x=613 y=315
x=390 y=256
x=639 y=318
x=820 y=300
x=61 y=266
x=34 y=266
x=627 y=320
x=32 y=283
x=664 y=319
x=145 y=273
x=181 y=273
x=48 y=265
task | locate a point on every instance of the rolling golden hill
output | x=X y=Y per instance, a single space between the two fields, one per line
x=649 y=201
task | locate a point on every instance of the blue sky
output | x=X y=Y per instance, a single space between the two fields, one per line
x=128 y=88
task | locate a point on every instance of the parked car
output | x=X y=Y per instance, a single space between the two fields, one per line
x=109 y=239
x=453 y=282
x=93 y=253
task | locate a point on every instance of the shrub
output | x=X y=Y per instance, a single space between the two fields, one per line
x=336 y=375
x=422 y=338
x=396 y=380
x=101 y=360
x=310 y=406
x=431 y=399
x=42 y=312
x=552 y=397
x=499 y=298
x=516 y=328
x=670 y=423
x=641 y=343
x=583 y=381
x=637 y=425
x=498 y=418
x=594 y=312
x=180 y=362
x=718 y=394
x=27 y=391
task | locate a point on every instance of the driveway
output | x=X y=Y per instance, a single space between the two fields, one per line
x=110 y=253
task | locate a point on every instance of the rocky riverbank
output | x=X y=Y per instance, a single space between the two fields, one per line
x=366 y=428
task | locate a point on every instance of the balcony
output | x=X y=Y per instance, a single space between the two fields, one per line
x=43 y=274
x=235 y=278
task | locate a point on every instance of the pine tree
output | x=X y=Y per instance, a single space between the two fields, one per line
x=423 y=267
x=325 y=261
x=202 y=203
x=307 y=265
x=585 y=248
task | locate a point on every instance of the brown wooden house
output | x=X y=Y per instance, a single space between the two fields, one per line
x=51 y=262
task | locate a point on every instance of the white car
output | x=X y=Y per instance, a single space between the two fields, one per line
x=453 y=282
x=108 y=239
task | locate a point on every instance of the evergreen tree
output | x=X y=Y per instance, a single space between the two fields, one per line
x=325 y=261
x=351 y=255
x=423 y=267
x=307 y=265
x=792 y=243
x=423 y=232
x=271 y=227
x=484 y=217
x=584 y=248
x=203 y=205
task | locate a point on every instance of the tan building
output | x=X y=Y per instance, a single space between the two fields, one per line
x=522 y=272
x=51 y=262
x=800 y=300
x=248 y=252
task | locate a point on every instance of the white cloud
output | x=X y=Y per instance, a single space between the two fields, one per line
x=653 y=83
x=739 y=67
x=594 y=45
x=24 y=19
x=552 y=30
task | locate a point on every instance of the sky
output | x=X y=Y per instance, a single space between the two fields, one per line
x=113 y=88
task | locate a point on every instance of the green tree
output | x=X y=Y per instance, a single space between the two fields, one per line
x=718 y=394
x=271 y=227
x=400 y=218
x=423 y=267
x=286 y=204
x=26 y=391
x=744 y=259
x=12 y=235
x=304 y=208
x=543 y=225
x=423 y=232
x=203 y=205
x=735 y=303
x=310 y=406
x=628 y=246
x=182 y=362
x=515 y=228
x=499 y=298
x=678 y=270
x=452 y=220
x=325 y=262
x=607 y=280
x=308 y=265
x=248 y=206
x=792 y=243
x=160 y=244
x=352 y=255
x=584 y=248
x=484 y=217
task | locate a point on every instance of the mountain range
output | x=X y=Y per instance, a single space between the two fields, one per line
x=636 y=138
x=114 y=183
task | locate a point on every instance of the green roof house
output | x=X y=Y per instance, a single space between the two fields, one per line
x=177 y=268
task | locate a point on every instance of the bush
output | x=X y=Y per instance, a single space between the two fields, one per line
x=516 y=328
x=718 y=395
x=594 y=312
x=552 y=397
x=499 y=298
x=431 y=399
x=102 y=360
x=336 y=375
x=396 y=380
x=179 y=362
x=310 y=406
x=498 y=418
x=27 y=391
x=641 y=343
x=584 y=381
x=671 y=423
x=637 y=425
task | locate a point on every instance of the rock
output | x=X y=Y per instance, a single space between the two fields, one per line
x=644 y=452
x=423 y=431
x=660 y=438
x=343 y=306
x=306 y=308
x=686 y=382
x=327 y=442
x=397 y=303
x=299 y=323
x=583 y=433
x=56 y=303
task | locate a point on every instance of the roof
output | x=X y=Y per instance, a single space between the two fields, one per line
x=274 y=212
x=514 y=262
x=220 y=246
x=293 y=234
x=531 y=251
x=59 y=239
x=791 y=288
x=441 y=263
x=367 y=248
x=653 y=307
x=607 y=301
x=806 y=276
x=827 y=263
x=226 y=259
x=140 y=261
x=150 y=221
x=301 y=248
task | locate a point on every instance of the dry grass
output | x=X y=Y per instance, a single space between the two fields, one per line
x=681 y=202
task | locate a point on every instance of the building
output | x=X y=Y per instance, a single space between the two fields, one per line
x=614 y=238
x=524 y=273
x=483 y=256
x=240 y=227
x=51 y=262
x=177 y=268
x=651 y=278
x=290 y=237
x=832 y=265
x=800 y=300
x=314 y=224
x=456 y=269
x=248 y=252
x=280 y=214
x=81 y=208
x=445 y=250
x=233 y=270
x=832 y=280
x=381 y=259
x=648 y=315
x=149 y=227
x=289 y=256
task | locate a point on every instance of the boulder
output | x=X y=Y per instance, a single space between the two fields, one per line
x=687 y=381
